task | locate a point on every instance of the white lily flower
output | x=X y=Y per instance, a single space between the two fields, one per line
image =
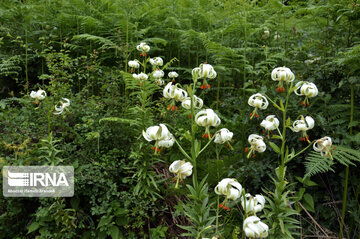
x=323 y=146
x=158 y=74
x=259 y=102
x=253 y=204
x=159 y=81
x=182 y=170
x=257 y=144
x=308 y=89
x=198 y=103
x=202 y=72
x=230 y=188
x=207 y=118
x=38 y=95
x=143 y=47
x=158 y=134
x=270 y=123
x=282 y=74
x=173 y=92
x=223 y=136
x=62 y=106
x=173 y=74
x=266 y=34
x=304 y=124
x=276 y=36
x=168 y=142
x=134 y=64
x=157 y=61
x=254 y=228
x=140 y=77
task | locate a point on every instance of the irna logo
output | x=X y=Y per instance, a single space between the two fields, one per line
x=37 y=179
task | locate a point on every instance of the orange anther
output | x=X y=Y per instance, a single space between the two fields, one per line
x=202 y=87
x=220 y=205
x=253 y=155
x=153 y=148
x=246 y=149
x=189 y=116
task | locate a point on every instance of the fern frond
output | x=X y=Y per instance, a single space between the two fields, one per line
x=315 y=163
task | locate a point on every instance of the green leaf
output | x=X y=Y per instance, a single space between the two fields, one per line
x=197 y=146
x=115 y=233
x=282 y=105
x=309 y=202
x=275 y=136
x=33 y=227
x=275 y=147
x=288 y=122
x=104 y=221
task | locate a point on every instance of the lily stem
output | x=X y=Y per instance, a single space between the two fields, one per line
x=347 y=167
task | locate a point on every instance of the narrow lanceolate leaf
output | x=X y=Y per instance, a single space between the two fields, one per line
x=275 y=147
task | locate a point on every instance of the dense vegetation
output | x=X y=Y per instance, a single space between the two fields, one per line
x=80 y=49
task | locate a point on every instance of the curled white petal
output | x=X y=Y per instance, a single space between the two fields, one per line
x=257 y=143
x=222 y=136
x=198 y=103
x=258 y=101
x=168 y=142
x=134 y=64
x=143 y=47
x=158 y=74
x=173 y=74
x=39 y=95
x=159 y=81
x=157 y=61
x=305 y=88
x=323 y=145
x=303 y=124
x=181 y=168
x=141 y=76
x=173 y=92
x=230 y=188
x=207 y=118
x=270 y=122
x=59 y=110
x=204 y=71
x=254 y=228
x=156 y=133
x=282 y=74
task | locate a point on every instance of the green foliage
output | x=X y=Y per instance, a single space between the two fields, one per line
x=79 y=49
x=315 y=163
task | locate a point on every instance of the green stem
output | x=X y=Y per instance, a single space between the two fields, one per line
x=217 y=215
x=347 y=167
x=284 y=134
x=206 y=146
x=49 y=120
x=193 y=154
x=217 y=94
x=183 y=151
x=26 y=62
x=199 y=235
x=300 y=152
